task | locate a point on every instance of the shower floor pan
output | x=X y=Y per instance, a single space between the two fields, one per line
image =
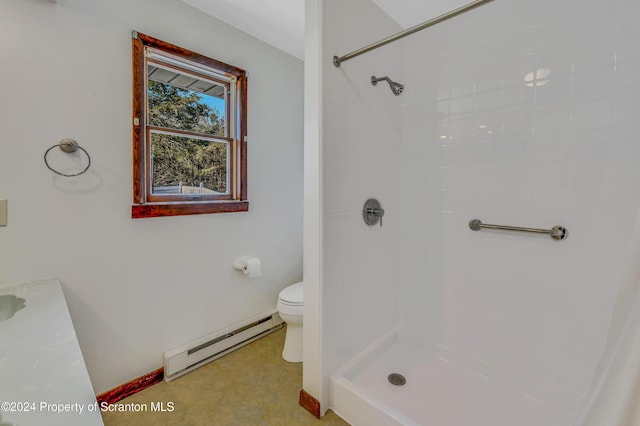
x=442 y=388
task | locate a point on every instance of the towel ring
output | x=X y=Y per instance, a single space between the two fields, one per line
x=68 y=146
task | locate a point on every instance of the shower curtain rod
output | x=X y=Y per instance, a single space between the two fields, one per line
x=338 y=60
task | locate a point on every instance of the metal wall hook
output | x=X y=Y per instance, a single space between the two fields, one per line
x=68 y=145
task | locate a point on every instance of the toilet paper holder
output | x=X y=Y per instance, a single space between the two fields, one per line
x=248 y=265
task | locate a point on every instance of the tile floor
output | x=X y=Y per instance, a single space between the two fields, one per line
x=250 y=386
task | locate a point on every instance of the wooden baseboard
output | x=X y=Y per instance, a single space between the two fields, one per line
x=309 y=403
x=134 y=386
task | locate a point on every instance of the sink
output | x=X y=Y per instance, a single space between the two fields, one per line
x=9 y=305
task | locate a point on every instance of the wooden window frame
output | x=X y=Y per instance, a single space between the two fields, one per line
x=236 y=199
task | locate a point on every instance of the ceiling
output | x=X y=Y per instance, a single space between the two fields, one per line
x=281 y=22
x=277 y=22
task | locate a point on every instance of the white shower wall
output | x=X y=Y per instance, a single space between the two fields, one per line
x=361 y=157
x=478 y=142
x=518 y=113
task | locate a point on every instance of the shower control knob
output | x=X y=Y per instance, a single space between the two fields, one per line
x=376 y=213
x=372 y=212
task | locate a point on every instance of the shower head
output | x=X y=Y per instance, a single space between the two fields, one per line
x=396 y=88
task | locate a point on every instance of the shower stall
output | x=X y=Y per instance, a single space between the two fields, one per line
x=518 y=113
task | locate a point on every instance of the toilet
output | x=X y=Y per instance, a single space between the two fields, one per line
x=291 y=307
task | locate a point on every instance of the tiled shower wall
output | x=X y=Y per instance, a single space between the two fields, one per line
x=520 y=113
x=361 y=160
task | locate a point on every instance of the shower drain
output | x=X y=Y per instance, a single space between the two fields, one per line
x=396 y=379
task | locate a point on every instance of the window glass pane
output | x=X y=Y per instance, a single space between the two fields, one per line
x=185 y=165
x=181 y=101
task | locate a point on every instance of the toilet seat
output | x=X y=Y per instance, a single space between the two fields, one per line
x=297 y=310
x=292 y=295
x=291 y=301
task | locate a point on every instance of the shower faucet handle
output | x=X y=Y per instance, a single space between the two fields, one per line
x=372 y=212
x=375 y=211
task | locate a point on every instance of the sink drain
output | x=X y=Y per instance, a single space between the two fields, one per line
x=396 y=379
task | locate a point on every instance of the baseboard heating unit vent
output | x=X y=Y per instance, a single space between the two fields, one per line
x=185 y=359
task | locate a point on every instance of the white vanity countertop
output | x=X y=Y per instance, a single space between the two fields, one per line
x=43 y=377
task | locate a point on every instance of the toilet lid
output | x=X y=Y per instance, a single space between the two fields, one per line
x=292 y=294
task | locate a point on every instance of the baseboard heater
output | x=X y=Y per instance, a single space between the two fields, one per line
x=182 y=360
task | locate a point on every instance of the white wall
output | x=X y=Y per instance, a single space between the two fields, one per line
x=136 y=288
x=312 y=339
x=562 y=153
x=360 y=159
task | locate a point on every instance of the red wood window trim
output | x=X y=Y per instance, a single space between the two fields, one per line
x=236 y=201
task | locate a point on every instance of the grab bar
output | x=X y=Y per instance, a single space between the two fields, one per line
x=557 y=232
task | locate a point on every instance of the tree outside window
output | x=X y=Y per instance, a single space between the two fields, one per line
x=190 y=136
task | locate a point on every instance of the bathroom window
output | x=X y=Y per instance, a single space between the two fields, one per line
x=189 y=132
